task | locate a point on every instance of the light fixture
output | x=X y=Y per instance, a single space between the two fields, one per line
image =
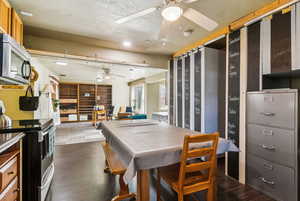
x=188 y=32
x=127 y=43
x=61 y=63
x=28 y=14
x=107 y=77
x=172 y=12
x=99 y=79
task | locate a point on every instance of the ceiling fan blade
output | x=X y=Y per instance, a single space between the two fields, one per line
x=136 y=15
x=200 y=19
x=189 y=1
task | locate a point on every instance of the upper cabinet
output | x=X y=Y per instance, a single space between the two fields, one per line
x=275 y=45
x=17 y=27
x=10 y=22
x=281 y=43
x=5 y=17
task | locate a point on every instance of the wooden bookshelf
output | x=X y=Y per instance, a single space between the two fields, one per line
x=68 y=100
x=79 y=99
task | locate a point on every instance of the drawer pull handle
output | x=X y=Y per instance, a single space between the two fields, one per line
x=9 y=173
x=267 y=147
x=270 y=167
x=268 y=114
x=16 y=190
x=268 y=133
x=266 y=181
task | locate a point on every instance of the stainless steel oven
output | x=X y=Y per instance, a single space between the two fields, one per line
x=14 y=62
x=38 y=154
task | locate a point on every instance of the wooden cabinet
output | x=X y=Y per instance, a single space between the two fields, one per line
x=10 y=22
x=5 y=16
x=10 y=181
x=17 y=27
x=77 y=101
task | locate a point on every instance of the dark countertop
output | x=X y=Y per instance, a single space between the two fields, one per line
x=9 y=139
x=27 y=125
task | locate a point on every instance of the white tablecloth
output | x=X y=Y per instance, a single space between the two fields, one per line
x=146 y=144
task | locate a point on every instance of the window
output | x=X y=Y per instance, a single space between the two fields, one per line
x=163 y=106
x=137 y=98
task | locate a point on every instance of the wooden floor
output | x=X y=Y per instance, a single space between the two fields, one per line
x=79 y=176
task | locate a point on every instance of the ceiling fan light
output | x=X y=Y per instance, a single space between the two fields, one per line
x=171 y=13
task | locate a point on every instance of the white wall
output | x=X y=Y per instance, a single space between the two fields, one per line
x=45 y=110
x=120 y=94
x=152 y=98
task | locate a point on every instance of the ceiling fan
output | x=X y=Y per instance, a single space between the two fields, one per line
x=107 y=75
x=172 y=10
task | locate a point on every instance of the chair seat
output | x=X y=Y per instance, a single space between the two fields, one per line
x=170 y=175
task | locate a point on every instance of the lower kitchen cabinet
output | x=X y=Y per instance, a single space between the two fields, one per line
x=10 y=176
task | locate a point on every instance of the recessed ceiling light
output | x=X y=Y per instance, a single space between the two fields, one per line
x=26 y=13
x=99 y=79
x=164 y=43
x=61 y=63
x=107 y=77
x=127 y=43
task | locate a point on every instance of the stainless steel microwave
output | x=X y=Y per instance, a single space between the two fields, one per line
x=14 y=62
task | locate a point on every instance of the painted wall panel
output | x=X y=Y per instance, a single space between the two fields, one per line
x=179 y=93
x=233 y=101
x=197 y=90
x=187 y=80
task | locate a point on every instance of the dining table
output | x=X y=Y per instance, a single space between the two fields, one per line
x=143 y=145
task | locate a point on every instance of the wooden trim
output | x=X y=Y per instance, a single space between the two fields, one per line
x=80 y=57
x=237 y=24
x=75 y=83
x=214 y=35
x=137 y=82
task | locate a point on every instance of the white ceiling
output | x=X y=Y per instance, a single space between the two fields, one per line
x=87 y=71
x=95 y=19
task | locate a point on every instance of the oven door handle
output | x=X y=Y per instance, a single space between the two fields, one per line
x=42 y=134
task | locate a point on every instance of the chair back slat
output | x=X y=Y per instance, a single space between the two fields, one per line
x=200 y=152
x=197 y=167
x=191 y=155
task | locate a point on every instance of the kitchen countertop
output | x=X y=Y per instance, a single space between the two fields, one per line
x=26 y=125
x=9 y=139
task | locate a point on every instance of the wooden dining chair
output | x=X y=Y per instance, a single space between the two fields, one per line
x=192 y=174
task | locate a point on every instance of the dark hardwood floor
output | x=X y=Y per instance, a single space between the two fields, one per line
x=79 y=176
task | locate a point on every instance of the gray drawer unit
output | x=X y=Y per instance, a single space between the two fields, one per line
x=273 y=144
x=272 y=109
x=275 y=180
